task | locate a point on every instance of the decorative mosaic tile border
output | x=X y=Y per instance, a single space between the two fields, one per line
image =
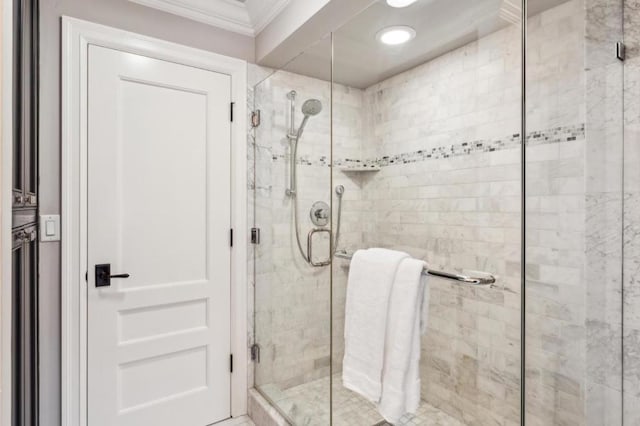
x=304 y=161
x=538 y=137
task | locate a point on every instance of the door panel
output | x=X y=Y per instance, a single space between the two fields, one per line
x=158 y=209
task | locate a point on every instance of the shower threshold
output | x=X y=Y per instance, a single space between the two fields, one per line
x=308 y=404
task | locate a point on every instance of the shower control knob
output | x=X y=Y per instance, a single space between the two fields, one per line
x=320 y=213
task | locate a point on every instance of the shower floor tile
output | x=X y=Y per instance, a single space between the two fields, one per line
x=308 y=404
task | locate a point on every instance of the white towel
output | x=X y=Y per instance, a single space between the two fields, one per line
x=371 y=278
x=405 y=323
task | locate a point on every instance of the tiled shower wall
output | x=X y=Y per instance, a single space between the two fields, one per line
x=604 y=210
x=631 y=222
x=556 y=318
x=446 y=136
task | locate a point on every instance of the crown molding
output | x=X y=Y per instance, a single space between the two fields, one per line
x=263 y=12
x=247 y=17
x=222 y=14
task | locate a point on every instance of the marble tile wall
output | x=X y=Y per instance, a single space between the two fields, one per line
x=631 y=308
x=556 y=221
x=574 y=356
x=604 y=212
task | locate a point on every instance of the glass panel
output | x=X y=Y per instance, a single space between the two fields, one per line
x=573 y=215
x=292 y=297
x=631 y=281
x=427 y=145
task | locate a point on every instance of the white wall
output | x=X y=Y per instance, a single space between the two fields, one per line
x=128 y=16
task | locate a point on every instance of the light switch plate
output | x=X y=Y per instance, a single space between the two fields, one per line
x=49 y=227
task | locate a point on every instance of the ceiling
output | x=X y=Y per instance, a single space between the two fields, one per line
x=441 y=26
x=247 y=17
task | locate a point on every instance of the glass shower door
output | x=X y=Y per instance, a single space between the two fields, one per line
x=290 y=194
x=418 y=147
x=574 y=199
x=426 y=140
x=631 y=222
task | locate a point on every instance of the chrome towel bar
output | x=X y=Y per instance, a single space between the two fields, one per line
x=479 y=281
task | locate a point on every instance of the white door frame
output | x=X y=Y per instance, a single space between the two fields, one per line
x=77 y=35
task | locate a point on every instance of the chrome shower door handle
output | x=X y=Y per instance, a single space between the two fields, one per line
x=310 y=247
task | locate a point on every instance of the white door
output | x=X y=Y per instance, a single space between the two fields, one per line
x=158 y=210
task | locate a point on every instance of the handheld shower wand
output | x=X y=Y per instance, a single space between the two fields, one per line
x=310 y=108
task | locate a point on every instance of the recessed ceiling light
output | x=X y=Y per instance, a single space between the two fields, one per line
x=396 y=35
x=400 y=3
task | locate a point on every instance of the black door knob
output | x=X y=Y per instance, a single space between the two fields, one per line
x=103 y=275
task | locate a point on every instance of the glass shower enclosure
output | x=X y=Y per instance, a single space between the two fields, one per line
x=292 y=283
x=496 y=143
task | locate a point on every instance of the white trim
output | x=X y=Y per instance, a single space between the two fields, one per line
x=225 y=15
x=5 y=210
x=246 y=18
x=77 y=35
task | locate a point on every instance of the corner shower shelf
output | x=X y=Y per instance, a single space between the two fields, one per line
x=359 y=169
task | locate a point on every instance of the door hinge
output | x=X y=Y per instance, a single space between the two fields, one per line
x=255 y=118
x=255 y=353
x=231 y=237
x=231 y=110
x=255 y=235
x=621 y=51
x=231 y=363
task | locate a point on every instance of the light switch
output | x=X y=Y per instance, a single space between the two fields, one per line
x=49 y=227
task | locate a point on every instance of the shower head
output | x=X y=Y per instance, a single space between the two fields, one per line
x=311 y=107
x=339 y=190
